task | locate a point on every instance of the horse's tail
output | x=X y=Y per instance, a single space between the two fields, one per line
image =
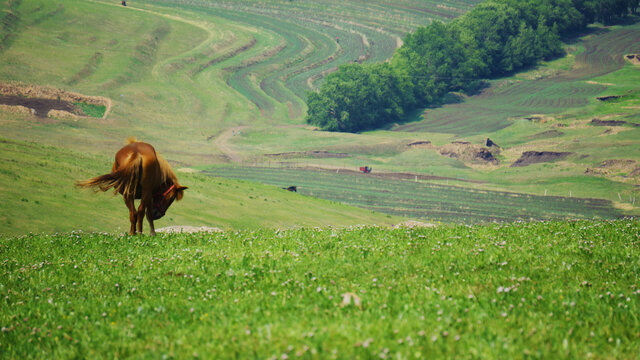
x=124 y=180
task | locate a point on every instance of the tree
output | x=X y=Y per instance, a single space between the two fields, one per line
x=360 y=97
x=485 y=31
x=436 y=61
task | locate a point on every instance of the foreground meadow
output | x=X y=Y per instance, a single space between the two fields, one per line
x=525 y=290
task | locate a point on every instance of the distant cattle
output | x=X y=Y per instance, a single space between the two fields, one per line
x=292 y=188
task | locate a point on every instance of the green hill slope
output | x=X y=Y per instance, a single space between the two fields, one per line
x=38 y=195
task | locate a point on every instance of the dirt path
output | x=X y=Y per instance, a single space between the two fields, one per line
x=223 y=138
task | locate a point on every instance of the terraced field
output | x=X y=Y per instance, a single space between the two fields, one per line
x=598 y=53
x=423 y=200
x=311 y=39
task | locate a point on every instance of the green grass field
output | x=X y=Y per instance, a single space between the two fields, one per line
x=531 y=290
x=38 y=196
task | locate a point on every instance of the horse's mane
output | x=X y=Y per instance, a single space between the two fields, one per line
x=166 y=171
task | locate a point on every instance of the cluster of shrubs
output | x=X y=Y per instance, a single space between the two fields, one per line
x=497 y=37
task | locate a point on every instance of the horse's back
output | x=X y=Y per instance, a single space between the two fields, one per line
x=132 y=151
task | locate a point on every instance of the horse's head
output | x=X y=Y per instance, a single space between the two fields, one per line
x=162 y=201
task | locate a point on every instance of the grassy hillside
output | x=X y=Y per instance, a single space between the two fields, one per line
x=221 y=83
x=38 y=196
x=540 y=290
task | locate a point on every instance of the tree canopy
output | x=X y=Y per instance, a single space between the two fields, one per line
x=497 y=37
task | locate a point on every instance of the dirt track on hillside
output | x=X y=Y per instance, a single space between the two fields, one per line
x=223 y=138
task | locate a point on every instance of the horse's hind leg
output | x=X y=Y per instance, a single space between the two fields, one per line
x=133 y=216
x=140 y=215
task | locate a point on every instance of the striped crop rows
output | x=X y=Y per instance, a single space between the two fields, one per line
x=422 y=200
x=294 y=44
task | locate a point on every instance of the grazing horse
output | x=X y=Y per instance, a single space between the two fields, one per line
x=139 y=173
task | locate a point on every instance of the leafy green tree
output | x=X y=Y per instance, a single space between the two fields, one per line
x=522 y=49
x=485 y=31
x=360 y=97
x=436 y=61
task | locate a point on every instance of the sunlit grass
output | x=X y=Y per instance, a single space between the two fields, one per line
x=544 y=290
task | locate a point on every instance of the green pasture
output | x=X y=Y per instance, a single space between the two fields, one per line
x=39 y=196
x=561 y=290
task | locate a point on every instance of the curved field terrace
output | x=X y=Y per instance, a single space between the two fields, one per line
x=516 y=98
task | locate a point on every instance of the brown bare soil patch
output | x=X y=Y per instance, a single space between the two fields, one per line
x=47 y=102
x=534 y=157
x=467 y=152
x=598 y=122
x=633 y=58
x=421 y=145
x=40 y=107
x=615 y=167
x=542 y=119
x=609 y=97
x=178 y=229
x=411 y=224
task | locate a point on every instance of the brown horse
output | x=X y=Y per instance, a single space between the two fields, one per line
x=139 y=173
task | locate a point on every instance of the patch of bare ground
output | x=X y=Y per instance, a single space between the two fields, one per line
x=47 y=102
x=425 y=144
x=535 y=157
x=178 y=229
x=633 y=58
x=540 y=119
x=623 y=206
x=222 y=139
x=616 y=167
x=411 y=224
x=470 y=153
x=599 y=122
x=17 y=109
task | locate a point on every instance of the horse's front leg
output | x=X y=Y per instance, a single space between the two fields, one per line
x=133 y=216
x=146 y=206
x=152 y=229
